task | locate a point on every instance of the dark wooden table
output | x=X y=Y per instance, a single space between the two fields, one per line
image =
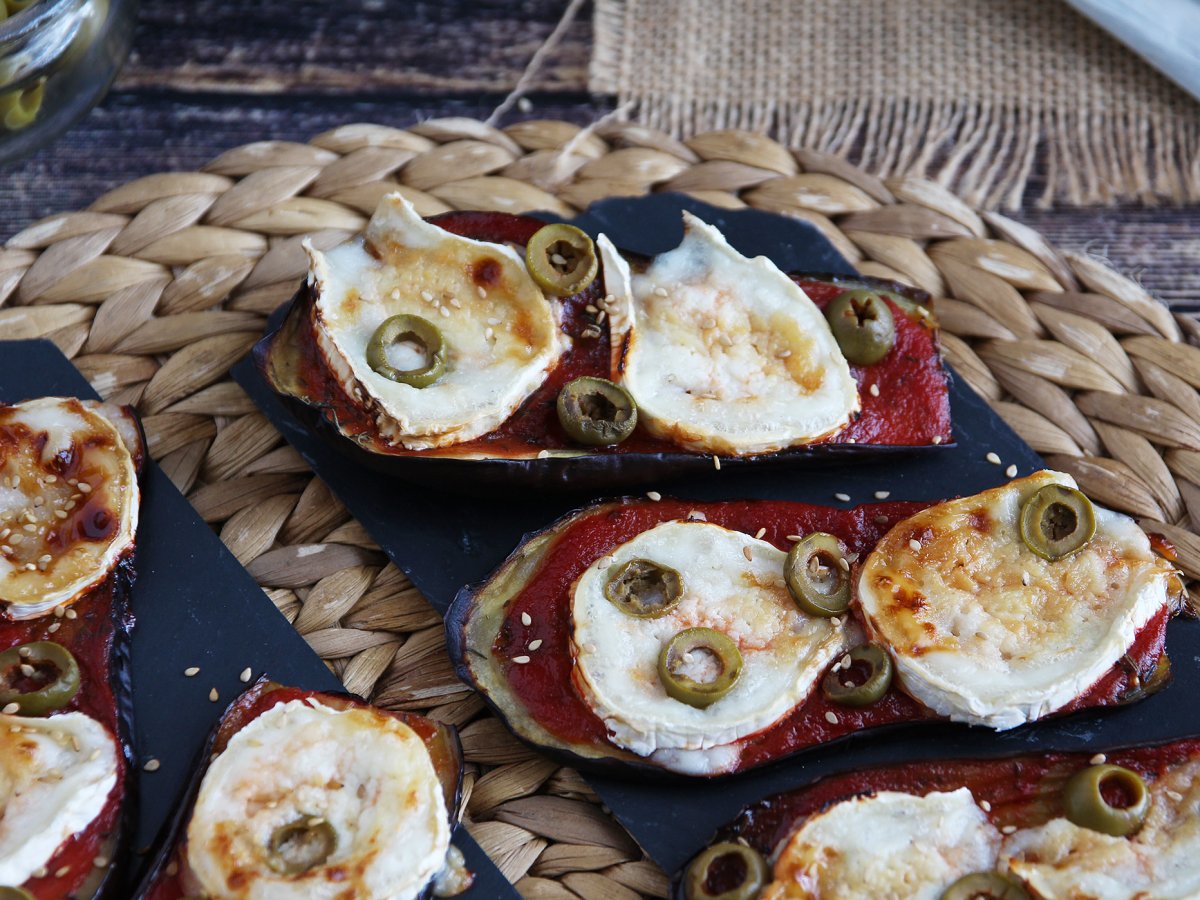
x=207 y=76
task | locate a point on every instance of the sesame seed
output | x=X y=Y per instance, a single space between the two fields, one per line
x=845 y=498
x=41 y=872
x=454 y=302
x=1008 y=829
x=843 y=564
x=660 y=292
x=59 y=612
x=835 y=621
x=54 y=626
x=831 y=718
x=873 y=390
x=993 y=458
x=395 y=293
x=481 y=292
x=521 y=660
x=758 y=534
x=717 y=463
x=985 y=806
x=494 y=321
x=783 y=354
x=937 y=438
x=851 y=440
x=1098 y=760
x=27 y=670
x=846 y=662
x=543 y=454
x=191 y=671
x=489 y=333
x=213 y=695
x=59 y=514
x=600 y=317
x=17 y=539
x=45 y=559
x=24 y=652
x=746 y=553
x=914 y=545
x=316 y=821
x=62 y=872
x=11 y=709
x=50 y=479
x=30 y=567
x=152 y=765
x=534 y=644
x=654 y=495
x=245 y=676
x=558 y=259
x=100 y=862
x=526 y=619
x=592 y=309
x=30 y=528
x=881 y=520
x=172 y=869
x=71 y=614
x=1175 y=795
x=794 y=538
x=1011 y=471
x=882 y=495
x=1025 y=579
x=426 y=296
x=445 y=312
x=85 y=487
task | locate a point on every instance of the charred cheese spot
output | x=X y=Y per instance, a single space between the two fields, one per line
x=986 y=631
x=501 y=334
x=364 y=774
x=726 y=354
x=69 y=503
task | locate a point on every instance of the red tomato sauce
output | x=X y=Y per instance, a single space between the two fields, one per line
x=545 y=685
x=88 y=631
x=912 y=408
x=1023 y=791
x=167 y=880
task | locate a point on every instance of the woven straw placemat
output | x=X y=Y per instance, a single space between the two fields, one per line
x=162 y=284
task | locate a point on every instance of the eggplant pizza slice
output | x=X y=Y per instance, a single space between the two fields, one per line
x=710 y=638
x=69 y=501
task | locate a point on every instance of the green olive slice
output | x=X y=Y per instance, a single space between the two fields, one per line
x=1086 y=805
x=408 y=329
x=725 y=871
x=679 y=652
x=1056 y=521
x=14 y=893
x=39 y=677
x=818 y=575
x=843 y=685
x=301 y=845
x=986 y=886
x=561 y=259
x=643 y=589
x=596 y=412
x=862 y=323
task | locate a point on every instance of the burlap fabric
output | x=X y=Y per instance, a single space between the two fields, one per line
x=976 y=94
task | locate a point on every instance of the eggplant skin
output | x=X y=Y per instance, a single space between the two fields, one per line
x=170 y=839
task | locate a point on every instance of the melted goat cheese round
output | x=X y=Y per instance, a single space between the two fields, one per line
x=984 y=630
x=784 y=651
x=501 y=334
x=1162 y=860
x=69 y=503
x=365 y=773
x=889 y=846
x=55 y=777
x=727 y=355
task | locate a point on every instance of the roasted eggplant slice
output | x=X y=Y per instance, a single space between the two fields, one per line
x=297 y=789
x=1006 y=827
x=585 y=639
x=69 y=501
x=474 y=430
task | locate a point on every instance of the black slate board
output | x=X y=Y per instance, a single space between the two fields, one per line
x=195 y=606
x=443 y=541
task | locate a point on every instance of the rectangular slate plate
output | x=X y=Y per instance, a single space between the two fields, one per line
x=443 y=541
x=195 y=606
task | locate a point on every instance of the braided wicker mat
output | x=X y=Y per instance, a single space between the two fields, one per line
x=162 y=284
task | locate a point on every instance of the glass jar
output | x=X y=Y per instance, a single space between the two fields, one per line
x=57 y=59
